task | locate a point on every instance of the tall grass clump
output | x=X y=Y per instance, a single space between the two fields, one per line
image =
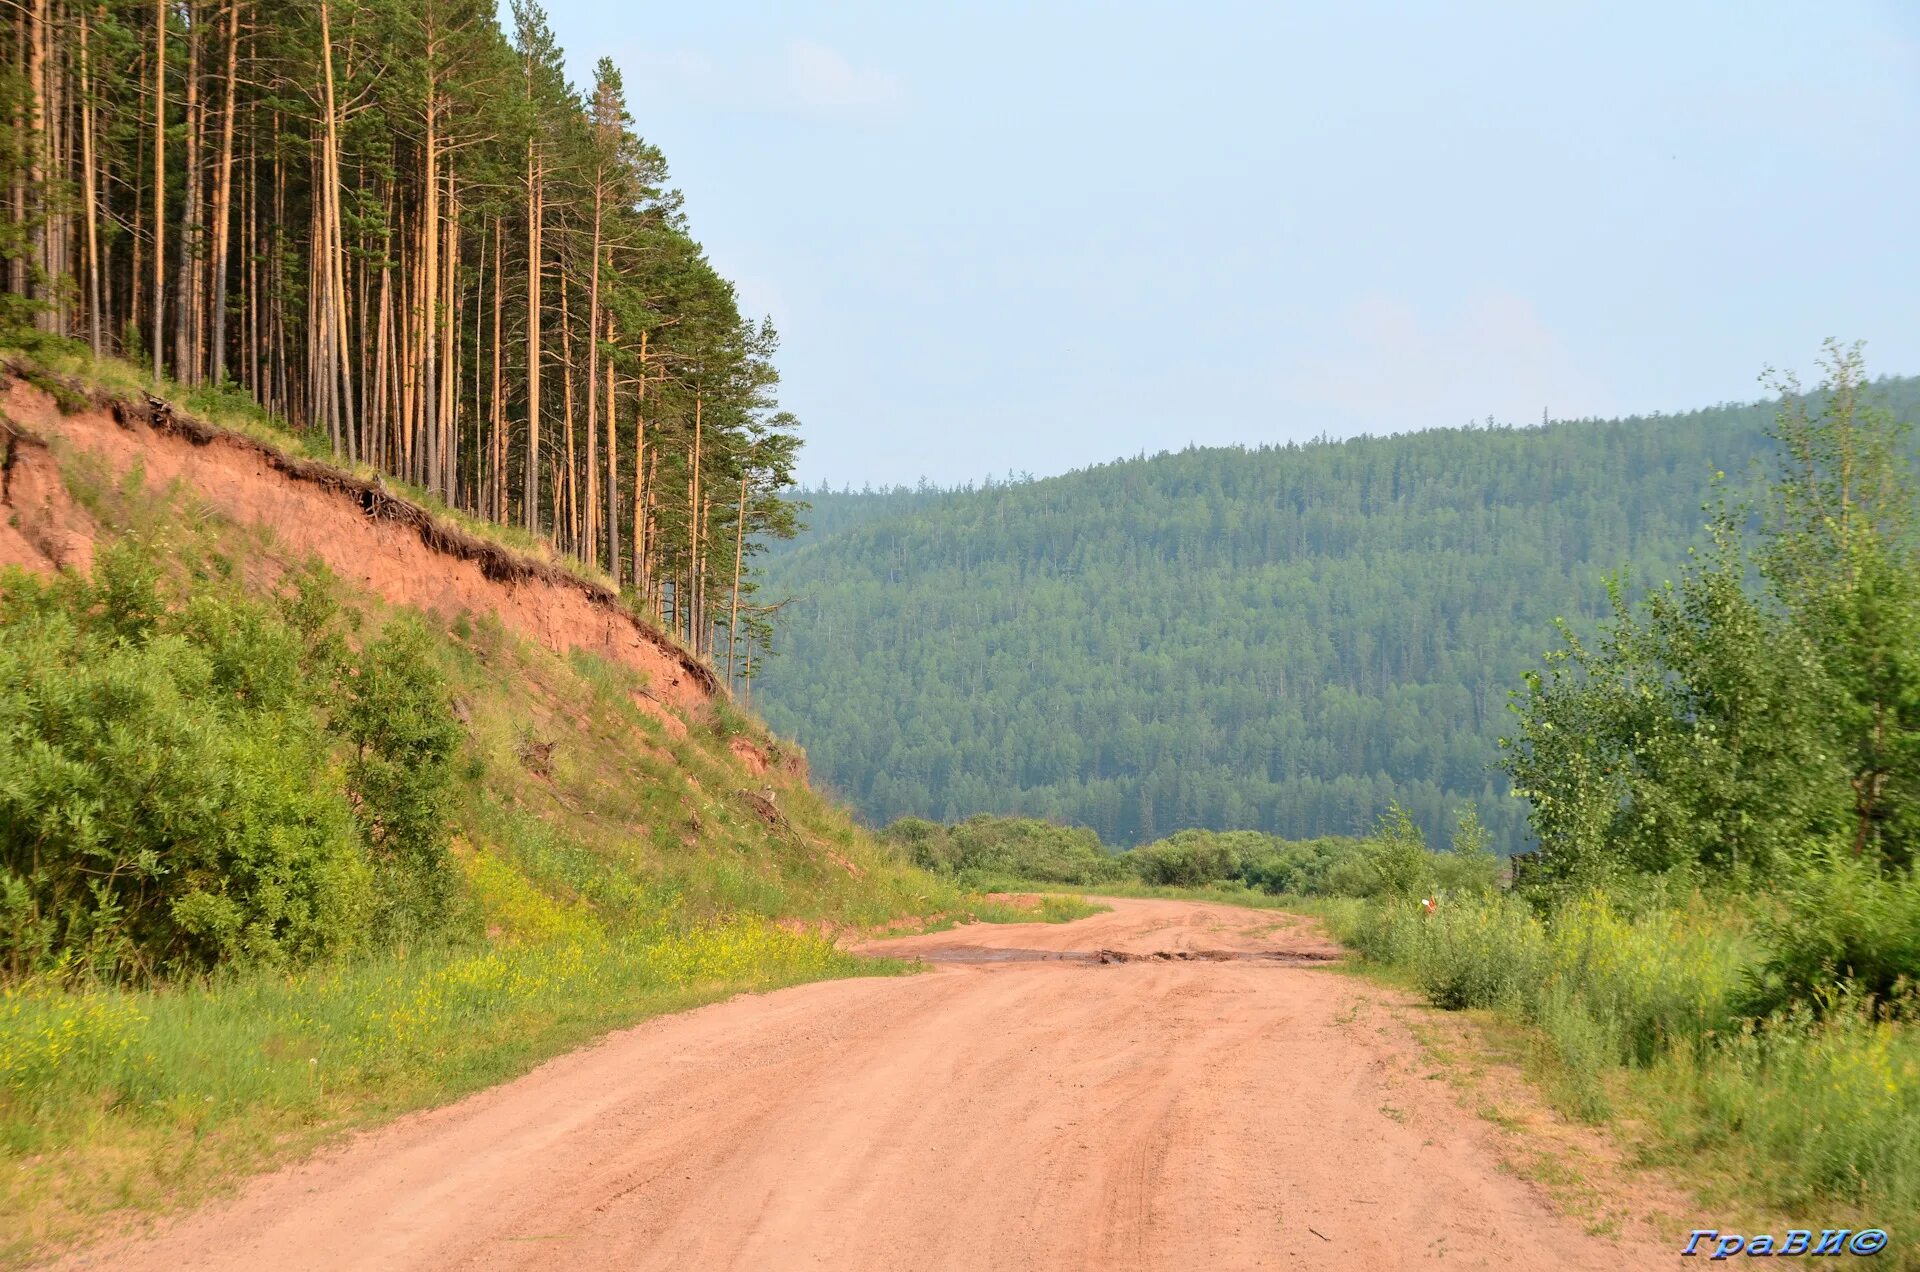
x=1645 y=982
x=1824 y=1106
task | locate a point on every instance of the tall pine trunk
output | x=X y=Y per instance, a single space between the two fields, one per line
x=158 y=306
x=186 y=302
x=531 y=495
x=223 y=203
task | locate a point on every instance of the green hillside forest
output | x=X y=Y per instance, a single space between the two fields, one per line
x=1284 y=638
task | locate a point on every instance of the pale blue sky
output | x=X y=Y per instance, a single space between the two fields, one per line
x=1032 y=237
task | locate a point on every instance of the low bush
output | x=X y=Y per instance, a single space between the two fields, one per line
x=1844 y=924
x=1193 y=858
x=987 y=850
x=1478 y=954
x=1301 y=868
x=191 y=777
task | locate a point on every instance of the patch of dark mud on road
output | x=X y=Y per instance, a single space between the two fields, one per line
x=991 y=954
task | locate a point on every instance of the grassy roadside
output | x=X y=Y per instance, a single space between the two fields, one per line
x=1055 y=905
x=613 y=863
x=146 y=1102
x=1626 y=1026
x=152 y=1101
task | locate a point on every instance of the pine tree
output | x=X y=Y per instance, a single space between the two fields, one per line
x=334 y=208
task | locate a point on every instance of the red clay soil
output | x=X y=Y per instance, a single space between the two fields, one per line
x=383 y=543
x=1210 y=1112
x=40 y=527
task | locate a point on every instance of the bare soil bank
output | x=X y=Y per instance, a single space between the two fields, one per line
x=388 y=545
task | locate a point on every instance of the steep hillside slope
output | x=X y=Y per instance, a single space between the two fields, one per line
x=83 y=466
x=361 y=531
x=1281 y=639
x=622 y=839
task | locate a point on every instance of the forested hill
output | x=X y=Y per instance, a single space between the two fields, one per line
x=1282 y=639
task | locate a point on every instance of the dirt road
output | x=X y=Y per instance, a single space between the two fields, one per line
x=1008 y=1110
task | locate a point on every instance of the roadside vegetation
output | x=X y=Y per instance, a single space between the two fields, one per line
x=277 y=859
x=1716 y=946
x=1010 y=853
x=1718 y=940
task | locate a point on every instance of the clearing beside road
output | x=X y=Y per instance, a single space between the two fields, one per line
x=1170 y=1084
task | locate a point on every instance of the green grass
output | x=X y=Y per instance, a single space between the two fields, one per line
x=1632 y=1022
x=150 y=1100
x=621 y=876
x=1045 y=908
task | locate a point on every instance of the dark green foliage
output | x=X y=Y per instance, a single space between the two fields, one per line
x=1299 y=868
x=1693 y=731
x=173 y=795
x=394 y=715
x=158 y=814
x=1009 y=848
x=1747 y=732
x=1285 y=638
x=1394 y=861
x=1760 y=735
x=304 y=151
x=1843 y=923
x=1195 y=858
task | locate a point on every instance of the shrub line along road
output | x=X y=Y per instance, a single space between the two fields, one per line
x=1003 y=1111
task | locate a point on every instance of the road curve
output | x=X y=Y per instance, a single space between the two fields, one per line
x=1205 y=1098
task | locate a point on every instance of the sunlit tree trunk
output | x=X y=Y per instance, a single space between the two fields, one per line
x=158 y=307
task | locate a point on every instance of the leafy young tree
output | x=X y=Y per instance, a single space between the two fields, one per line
x=1738 y=730
x=395 y=717
x=1843 y=560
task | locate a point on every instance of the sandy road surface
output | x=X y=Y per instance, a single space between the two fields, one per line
x=1005 y=1111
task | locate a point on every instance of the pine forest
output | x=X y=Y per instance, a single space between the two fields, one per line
x=397 y=226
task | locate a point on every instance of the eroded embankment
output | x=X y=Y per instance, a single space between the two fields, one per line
x=388 y=545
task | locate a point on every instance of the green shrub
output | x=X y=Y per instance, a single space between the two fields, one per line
x=1298 y=868
x=1846 y=924
x=155 y=816
x=1484 y=954
x=1190 y=859
x=1393 y=861
x=394 y=714
x=191 y=777
x=987 y=850
x=1469 y=866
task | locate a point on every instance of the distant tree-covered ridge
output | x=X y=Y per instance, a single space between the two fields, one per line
x=1285 y=639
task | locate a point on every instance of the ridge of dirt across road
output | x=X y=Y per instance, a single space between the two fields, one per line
x=1216 y=1113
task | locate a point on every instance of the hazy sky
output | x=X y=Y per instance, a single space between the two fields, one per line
x=1031 y=237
